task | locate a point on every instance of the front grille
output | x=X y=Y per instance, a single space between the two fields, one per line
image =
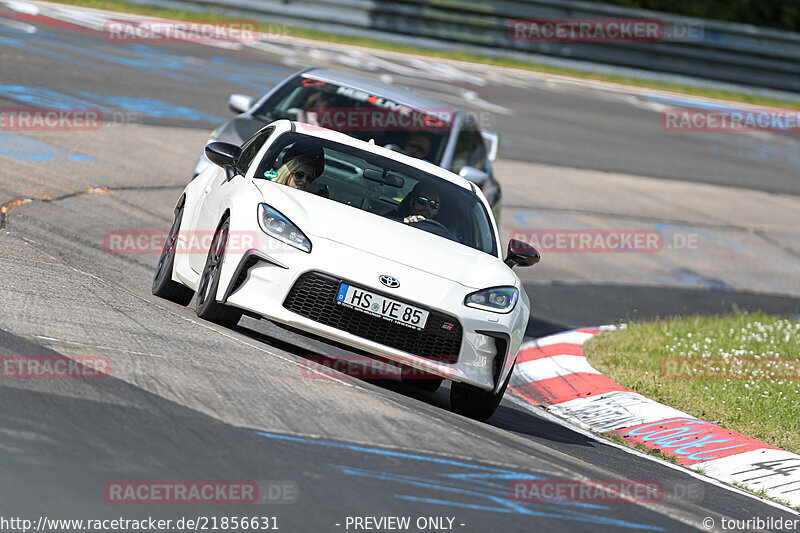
x=314 y=297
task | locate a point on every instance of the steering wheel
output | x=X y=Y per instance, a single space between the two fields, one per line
x=435 y=224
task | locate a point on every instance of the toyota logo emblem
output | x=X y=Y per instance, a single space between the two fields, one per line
x=389 y=281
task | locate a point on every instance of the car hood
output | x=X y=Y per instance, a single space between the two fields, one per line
x=389 y=239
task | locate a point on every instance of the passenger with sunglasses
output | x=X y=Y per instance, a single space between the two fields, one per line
x=297 y=173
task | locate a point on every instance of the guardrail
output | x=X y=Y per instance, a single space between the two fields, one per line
x=721 y=51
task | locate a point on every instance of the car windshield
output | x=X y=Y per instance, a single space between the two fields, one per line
x=380 y=186
x=419 y=133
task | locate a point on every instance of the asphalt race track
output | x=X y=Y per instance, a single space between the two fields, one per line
x=189 y=400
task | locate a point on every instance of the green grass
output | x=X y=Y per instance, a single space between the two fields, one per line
x=462 y=55
x=763 y=493
x=615 y=437
x=657 y=453
x=641 y=447
x=758 y=395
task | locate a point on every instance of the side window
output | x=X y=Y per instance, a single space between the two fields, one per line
x=470 y=149
x=251 y=148
x=477 y=153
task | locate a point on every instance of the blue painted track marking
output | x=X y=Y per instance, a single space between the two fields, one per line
x=22 y=148
x=752 y=148
x=252 y=75
x=736 y=246
x=521 y=220
x=498 y=493
x=41 y=97
x=748 y=147
x=731 y=243
x=683 y=277
x=65 y=58
x=475 y=484
x=685 y=101
x=152 y=107
x=389 y=453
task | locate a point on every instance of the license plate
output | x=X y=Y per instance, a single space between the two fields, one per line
x=380 y=306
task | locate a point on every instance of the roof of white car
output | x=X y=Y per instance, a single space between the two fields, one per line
x=430 y=168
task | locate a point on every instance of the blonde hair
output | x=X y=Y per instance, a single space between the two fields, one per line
x=289 y=167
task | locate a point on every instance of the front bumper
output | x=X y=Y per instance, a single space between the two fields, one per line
x=261 y=280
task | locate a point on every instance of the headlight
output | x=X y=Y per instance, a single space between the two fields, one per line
x=276 y=225
x=498 y=299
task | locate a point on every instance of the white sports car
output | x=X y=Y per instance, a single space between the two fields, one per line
x=355 y=243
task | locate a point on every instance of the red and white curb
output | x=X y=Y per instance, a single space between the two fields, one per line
x=553 y=372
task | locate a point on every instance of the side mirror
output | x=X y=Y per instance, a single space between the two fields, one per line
x=224 y=155
x=239 y=103
x=478 y=177
x=521 y=253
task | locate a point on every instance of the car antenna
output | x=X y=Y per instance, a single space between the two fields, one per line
x=372 y=141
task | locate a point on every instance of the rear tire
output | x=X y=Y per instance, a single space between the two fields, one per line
x=163 y=284
x=474 y=402
x=206 y=305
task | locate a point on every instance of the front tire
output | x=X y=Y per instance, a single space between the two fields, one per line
x=206 y=305
x=163 y=284
x=474 y=402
